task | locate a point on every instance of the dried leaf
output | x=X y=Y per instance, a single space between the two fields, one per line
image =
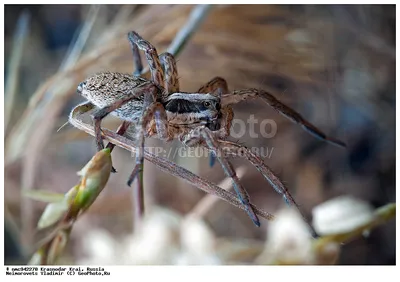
x=52 y=213
x=57 y=246
x=43 y=196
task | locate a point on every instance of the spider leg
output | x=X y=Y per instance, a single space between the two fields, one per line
x=171 y=82
x=162 y=163
x=149 y=107
x=241 y=95
x=101 y=113
x=214 y=145
x=154 y=110
x=151 y=56
x=215 y=85
x=235 y=149
x=120 y=131
x=138 y=68
x=137 y=62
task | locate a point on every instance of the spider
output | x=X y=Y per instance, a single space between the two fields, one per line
x=157 y=108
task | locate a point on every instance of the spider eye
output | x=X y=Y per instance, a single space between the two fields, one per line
x=206 y=104
x=81 y=86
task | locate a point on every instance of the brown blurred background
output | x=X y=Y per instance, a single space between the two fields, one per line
x=333 y=64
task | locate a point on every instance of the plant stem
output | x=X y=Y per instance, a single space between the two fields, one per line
x=138 y=199
x=162 y=163
x=196 y=17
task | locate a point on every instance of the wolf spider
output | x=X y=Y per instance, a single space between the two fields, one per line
x=158 y=108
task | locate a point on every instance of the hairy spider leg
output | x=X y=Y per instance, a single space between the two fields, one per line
x=235 y=149
x=138 y=68
x=162 y=163
x=171 y=84
x=120 y=131
x=171 y=81
x=153 y=110
x=213 y=145
x=137 y=42
x=158 y=65
x=151 y=57
x=245 y=94
x=99 y=114
x=137 y=60
x=217 y=84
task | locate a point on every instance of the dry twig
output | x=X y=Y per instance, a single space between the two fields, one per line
x=162 y=163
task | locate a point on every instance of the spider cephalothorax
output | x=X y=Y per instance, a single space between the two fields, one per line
x=196 y=108
x=157 y=107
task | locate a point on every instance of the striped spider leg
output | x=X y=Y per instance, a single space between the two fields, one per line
x=215 y=139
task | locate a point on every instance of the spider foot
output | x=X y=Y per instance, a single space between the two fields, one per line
x=321 y=136
x=212 y=159
x=250 y=211
x=287 y=201
x=252 y=215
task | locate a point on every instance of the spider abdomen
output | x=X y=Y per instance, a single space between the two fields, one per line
x=105 y=88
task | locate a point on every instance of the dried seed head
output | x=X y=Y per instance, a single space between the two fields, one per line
x=157 y=241
x=94 y=177
x=289 y=240
x=341 y=215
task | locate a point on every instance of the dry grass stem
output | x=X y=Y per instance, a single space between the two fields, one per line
x=13 y=68
x=196 y=17
x=162 y=163
x=39 y=137
x=208 y=201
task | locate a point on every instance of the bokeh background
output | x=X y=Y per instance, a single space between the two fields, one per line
x=334 y=64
